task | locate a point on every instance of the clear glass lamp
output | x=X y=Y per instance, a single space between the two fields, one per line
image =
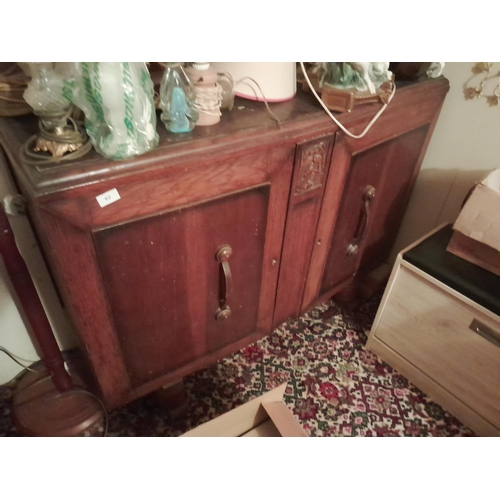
x=60 y=137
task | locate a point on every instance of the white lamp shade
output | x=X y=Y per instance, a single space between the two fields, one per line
x=276 y=79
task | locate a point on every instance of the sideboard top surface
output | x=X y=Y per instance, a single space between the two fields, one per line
x=248 y=125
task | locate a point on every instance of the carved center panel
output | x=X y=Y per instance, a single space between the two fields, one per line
x=311 y=168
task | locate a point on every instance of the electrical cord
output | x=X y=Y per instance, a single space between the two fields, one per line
x=15 y=358
x=12 y=382
x=229 y=101
x=368 y=127
x=242 y=80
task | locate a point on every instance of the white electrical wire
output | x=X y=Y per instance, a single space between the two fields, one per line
x=16 y=359
x=368 y=127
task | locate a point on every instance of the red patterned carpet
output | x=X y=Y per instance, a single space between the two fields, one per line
x=335 y=386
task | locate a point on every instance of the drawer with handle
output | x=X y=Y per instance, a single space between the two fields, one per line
x=448 y=339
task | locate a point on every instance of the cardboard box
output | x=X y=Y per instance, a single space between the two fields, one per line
x=265 y=416
x=477 y=228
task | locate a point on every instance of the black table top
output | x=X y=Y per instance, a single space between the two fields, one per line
x=476 y=283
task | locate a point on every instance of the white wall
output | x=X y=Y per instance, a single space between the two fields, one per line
x=464 y=148
x=13 y=327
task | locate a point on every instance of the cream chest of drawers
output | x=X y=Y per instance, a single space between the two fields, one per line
x=439 y=325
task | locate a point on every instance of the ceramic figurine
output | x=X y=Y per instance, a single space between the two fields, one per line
x=362 y=76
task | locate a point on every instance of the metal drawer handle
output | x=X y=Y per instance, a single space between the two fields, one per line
x=368 y=196
x=485 y=331
x=225 y=282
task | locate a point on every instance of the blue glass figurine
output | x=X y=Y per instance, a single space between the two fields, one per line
x=177 y=97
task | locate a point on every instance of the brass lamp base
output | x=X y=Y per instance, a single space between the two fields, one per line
x=56 y=149
x=60 y=138
x=40 y=151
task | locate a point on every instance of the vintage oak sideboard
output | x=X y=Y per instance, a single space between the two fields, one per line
x=221 y=234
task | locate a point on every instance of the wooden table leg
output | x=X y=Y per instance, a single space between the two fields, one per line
x=174 y=399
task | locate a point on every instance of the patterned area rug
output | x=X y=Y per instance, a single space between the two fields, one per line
x=335 y=386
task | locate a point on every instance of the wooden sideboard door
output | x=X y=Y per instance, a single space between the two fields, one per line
x=373 y=202
x=165 y=284
x=141 y=278
x=365 y=199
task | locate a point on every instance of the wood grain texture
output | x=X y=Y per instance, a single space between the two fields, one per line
x=436 y=392
x=196 y=364
x=429 y=385
x=312 y=162
x=329 y=211
x=388 y=157
x=302 y=119
x=429 y=328
x=73 y=254
x=166 y=318
x=387 y=167
x=138 y=309
x=178 y=185
x=280 y=190
x=139 y=277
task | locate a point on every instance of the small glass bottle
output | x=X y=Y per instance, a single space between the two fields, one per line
x=177 y=97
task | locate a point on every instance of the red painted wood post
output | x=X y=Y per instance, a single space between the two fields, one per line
x=30 y=301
